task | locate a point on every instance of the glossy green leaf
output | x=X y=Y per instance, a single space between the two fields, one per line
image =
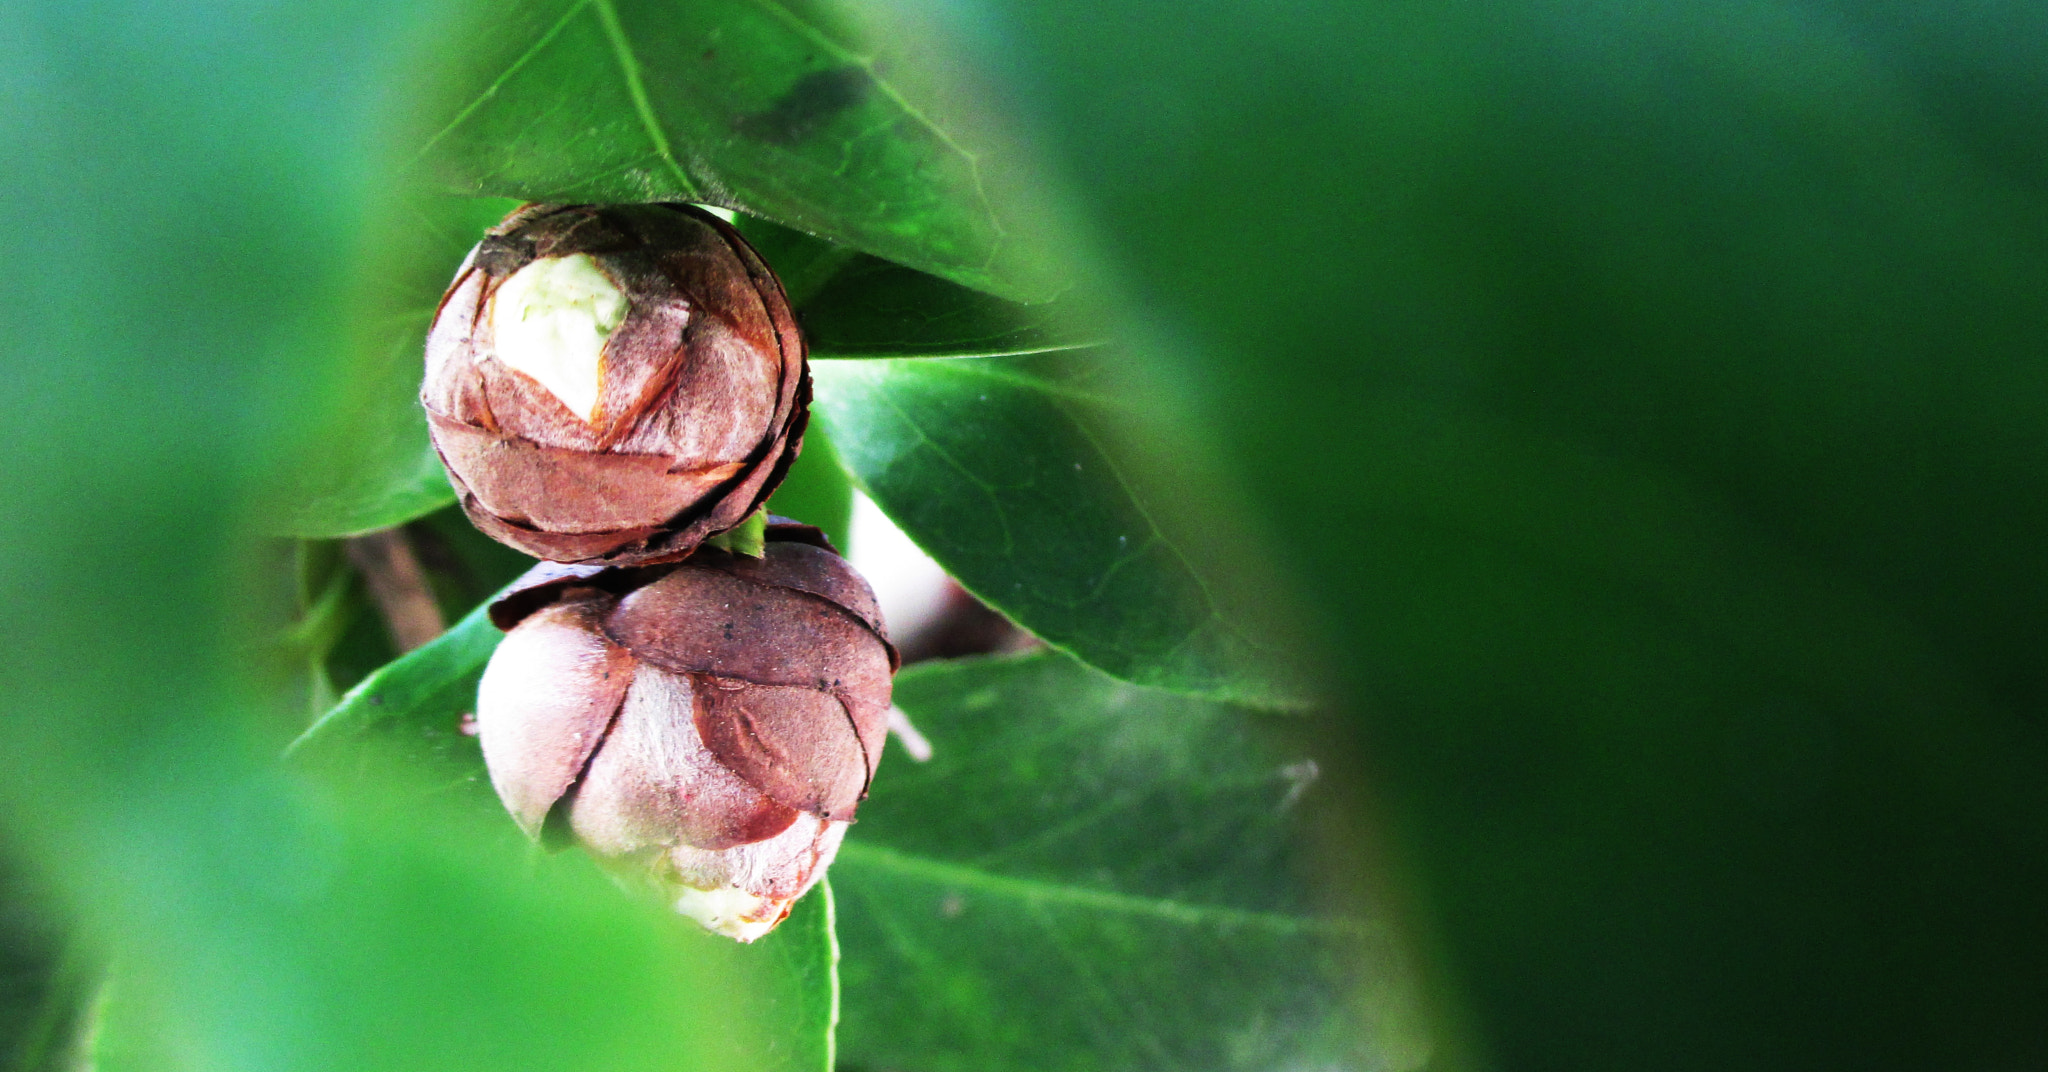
x=816 y=490
x=414 y=707
x=1088 y=874
x=793 y=111
x=1003 y=470
x=875 y=309
x=855 y=305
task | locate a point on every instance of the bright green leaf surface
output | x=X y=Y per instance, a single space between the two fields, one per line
x=1090 y=875
x=855 y=305
x=415 y=704
x=1000 y=470
x=816 y=490
x=785 y=110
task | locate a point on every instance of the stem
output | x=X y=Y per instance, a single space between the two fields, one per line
x=399 y=587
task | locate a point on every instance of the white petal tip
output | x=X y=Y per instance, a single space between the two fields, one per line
x=732 y=911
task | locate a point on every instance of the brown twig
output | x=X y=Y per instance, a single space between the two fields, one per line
x=399 y=586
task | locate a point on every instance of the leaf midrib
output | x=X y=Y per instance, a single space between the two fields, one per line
x=1039 y=892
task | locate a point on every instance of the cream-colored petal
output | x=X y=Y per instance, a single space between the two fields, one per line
x=731 y=911
x=744 y=892
x=550 y=321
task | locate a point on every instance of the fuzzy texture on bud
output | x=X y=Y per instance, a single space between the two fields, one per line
x=614 y=383
x=710 y=724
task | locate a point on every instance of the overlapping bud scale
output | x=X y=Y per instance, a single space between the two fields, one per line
x=614 y=383
x=710 y=725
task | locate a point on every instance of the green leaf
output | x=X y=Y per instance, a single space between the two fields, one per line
x=802 y=263
x=855 y=305
x=391 y=477
x=789 y=981
x=1673 y=375
x=816 y=490
x=48 y=974
x=370 y=465
x=114 y=1033
x=1003 y=470
x=788 y=111
x=413 y=708
x=874 y=309
x=1088 y=874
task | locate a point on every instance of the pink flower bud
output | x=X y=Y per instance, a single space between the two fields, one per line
x=710 y=724
x=614 y=383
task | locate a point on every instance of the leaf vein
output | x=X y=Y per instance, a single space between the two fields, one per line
x=498 y=83
x=996 y=511
x=636 y=87
x=1107 y=1032
x=1042 y=893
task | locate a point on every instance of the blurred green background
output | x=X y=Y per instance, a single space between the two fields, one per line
x=1634 y=417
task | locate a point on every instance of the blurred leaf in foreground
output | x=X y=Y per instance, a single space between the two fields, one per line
x=369 y=466
x=1675 y=374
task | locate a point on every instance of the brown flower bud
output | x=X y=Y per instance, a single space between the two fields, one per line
x=614 y=383
x=709 y=724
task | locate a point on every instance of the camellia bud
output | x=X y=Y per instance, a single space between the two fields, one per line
x=709 y=724
x=614 y=383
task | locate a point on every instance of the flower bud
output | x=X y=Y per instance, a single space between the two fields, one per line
x=710 y=724
x=614 y=383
